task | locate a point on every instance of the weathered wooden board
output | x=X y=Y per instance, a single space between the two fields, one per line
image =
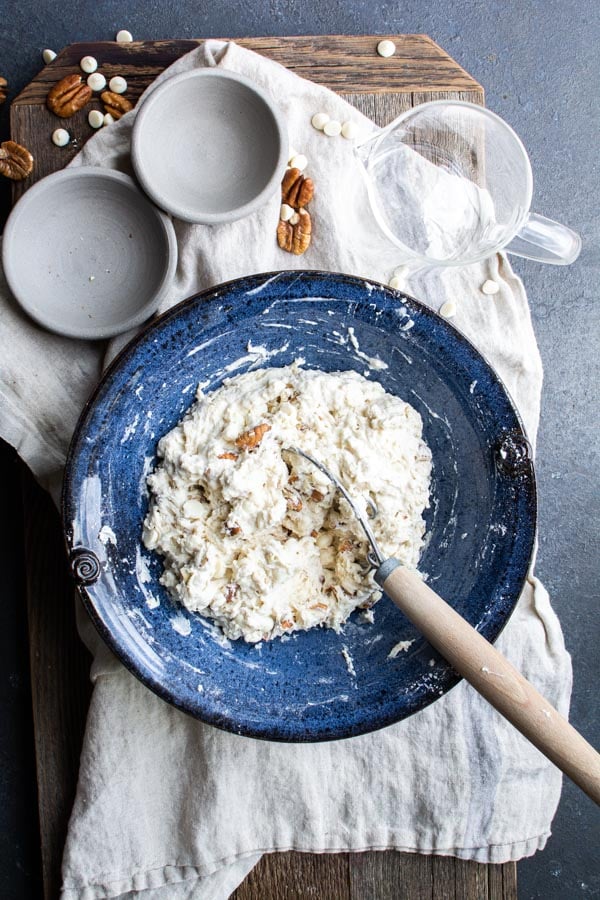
x=348 y=65
x=380 y=88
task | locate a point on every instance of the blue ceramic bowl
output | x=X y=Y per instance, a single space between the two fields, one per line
x=481 y=522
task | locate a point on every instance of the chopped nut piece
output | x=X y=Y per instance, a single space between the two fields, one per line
x=293 y=501
x=296 y=189
x=317 y=496
x=230 y=592
x=295 y=238
x=68 y=96
x=345 y=546
x=227 y=455
x=285 y=623
x=233 y=529
x=252 y=438
x=314 y=533
x=3 y=87
x=114 y=104
x=15 y=161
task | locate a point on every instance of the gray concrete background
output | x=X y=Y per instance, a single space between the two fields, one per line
x=539 y=63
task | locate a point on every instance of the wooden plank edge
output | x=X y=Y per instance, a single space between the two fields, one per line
x=73 y=52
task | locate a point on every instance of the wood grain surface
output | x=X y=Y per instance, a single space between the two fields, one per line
x=381 y=89
x=349 y=65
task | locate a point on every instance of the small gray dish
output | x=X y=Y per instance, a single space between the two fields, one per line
x=209 y=146
x=87 y=255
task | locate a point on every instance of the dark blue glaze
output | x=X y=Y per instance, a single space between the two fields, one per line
x=482 y=517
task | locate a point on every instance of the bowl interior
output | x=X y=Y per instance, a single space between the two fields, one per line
x=481 y=520
x=86 y=253
x=206 y=144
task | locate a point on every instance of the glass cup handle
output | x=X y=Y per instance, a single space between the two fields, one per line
x=546 y=241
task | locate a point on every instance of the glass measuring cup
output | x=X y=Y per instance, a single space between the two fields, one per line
x=449 y=183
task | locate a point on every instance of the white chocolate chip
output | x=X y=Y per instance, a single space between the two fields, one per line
x=386 y=48
x=332 y=128
x=448 y=310
x=400 y=271
x=319 y=121
x=124 y=36
x=292 y=152
x=117 y=85
x=96 y=81
x=108 y=119
x=490 y=287
x=61 y=137
x=92 y=278
x=88 y=64
x=299 y=162
x=286 y=212
x=349 y=130
x=396 y=282
x=194 y=509
x=48 y=56
x=294 y=218
x=96 y=118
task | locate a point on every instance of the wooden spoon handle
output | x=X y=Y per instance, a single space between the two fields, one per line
x=493 y=676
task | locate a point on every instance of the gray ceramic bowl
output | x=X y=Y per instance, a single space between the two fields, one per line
x=209 y=146
x=87 y=255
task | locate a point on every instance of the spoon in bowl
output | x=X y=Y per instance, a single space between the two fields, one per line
x=477 y=660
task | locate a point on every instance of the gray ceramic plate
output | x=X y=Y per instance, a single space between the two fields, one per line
x=87 y=255
x=209 y=146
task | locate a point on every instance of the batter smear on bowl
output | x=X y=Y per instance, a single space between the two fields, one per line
x=257 y=539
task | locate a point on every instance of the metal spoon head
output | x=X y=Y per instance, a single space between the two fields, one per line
x=374 y=556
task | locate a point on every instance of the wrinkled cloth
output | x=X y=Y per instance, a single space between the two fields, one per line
x=168 y=807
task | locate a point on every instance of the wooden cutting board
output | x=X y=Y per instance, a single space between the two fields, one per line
x=381 y=89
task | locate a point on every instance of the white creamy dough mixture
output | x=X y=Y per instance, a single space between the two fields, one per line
x=256 y=538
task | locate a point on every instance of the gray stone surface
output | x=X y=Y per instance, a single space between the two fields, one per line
x=540 y=66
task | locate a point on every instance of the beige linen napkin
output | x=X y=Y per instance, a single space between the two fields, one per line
x=168 y=807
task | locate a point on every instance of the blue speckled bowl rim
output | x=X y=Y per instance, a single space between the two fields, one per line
x=491 y=630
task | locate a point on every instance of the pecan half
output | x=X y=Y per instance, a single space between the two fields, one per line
x=252 y=438
x=115 y=104
x=295 y=238
x=15 y=161
x=3 y=87
x=296 y=189
x=68 y=96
